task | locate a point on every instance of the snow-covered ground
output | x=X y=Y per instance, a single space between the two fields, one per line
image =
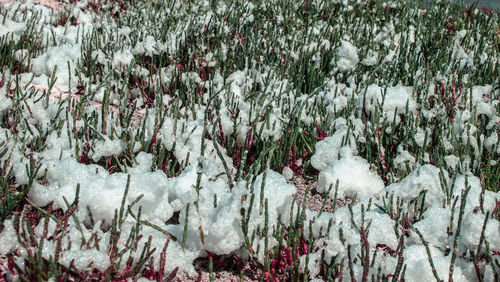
x=138 y=137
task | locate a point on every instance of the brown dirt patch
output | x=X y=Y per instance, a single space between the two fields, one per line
x=248 y=272
x=314 y=200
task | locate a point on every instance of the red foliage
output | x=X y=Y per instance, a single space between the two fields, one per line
x=322 y=135
x=283 y=261
x=294 y=164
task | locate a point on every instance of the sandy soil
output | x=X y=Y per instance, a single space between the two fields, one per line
x=52 y=4
x=248 y=273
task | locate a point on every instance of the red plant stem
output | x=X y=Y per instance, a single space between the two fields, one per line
x=478 y=272
x=366 y=264
x=495 y=210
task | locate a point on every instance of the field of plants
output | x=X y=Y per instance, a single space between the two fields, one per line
x=269 y=140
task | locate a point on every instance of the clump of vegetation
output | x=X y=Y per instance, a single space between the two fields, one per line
x=138 y=136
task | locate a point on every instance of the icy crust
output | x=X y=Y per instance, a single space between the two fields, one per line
x=221 y=222
x=394 y=101
x=347 y=57
x=61 y=61
x=184 y=138
x=236 y=105
x=353 y=175
x=100 y=190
